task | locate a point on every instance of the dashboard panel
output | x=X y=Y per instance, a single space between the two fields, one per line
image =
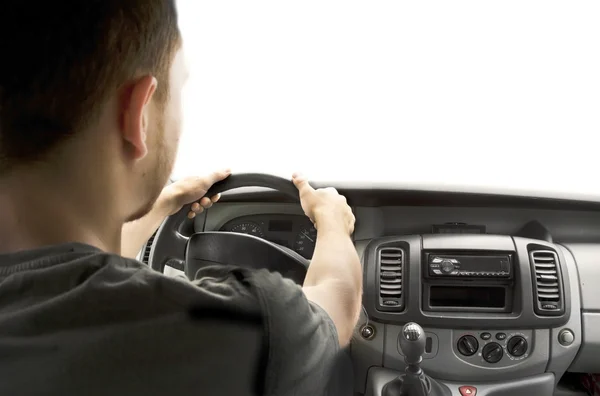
x=295 y=232
x=515 y=345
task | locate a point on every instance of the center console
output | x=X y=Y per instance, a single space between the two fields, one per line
x=477 y=278
x=494 y=310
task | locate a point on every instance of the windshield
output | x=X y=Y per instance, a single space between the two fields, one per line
x=503 y=94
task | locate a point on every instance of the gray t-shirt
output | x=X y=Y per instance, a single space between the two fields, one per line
x=77 y=321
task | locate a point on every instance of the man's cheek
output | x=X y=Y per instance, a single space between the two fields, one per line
x=179 y=118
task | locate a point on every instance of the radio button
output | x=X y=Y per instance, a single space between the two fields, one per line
x=447 y=266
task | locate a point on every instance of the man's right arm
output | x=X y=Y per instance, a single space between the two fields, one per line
x=334 y=278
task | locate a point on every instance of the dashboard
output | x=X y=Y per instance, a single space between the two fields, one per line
x=504 y=288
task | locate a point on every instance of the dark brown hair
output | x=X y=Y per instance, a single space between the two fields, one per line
x=60 y=58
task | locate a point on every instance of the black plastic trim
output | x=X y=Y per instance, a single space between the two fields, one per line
x=537 y=306
x=371 y=271
x=374 y=197
x=399 y=301
x=474 y=243
x=508 y=299
x=148 y=249
x=535 y=230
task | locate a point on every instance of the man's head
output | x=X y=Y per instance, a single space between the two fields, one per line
x=94 y=85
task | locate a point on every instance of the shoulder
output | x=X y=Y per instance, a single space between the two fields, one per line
x=217 y=288
x=300 y=341
x=295 y=327
x=291 y=324
x=286 y=305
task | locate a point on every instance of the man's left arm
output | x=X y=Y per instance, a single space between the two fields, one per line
x=172 y=198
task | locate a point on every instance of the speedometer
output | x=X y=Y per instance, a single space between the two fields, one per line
x=305 y=241
x=250 y=228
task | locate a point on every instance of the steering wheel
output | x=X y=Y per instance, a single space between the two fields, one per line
x=177 y=242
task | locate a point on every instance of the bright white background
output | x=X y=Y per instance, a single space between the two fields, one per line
x=476 y=92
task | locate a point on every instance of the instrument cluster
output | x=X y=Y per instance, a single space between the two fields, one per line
x=292 y=231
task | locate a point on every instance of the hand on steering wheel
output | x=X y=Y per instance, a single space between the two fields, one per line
x=192 y=190
x=324 y=206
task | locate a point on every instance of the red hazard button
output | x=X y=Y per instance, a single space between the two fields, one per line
x=467 y=390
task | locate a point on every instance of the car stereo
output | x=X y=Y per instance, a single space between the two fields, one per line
x=468 y=282
x=469 y=266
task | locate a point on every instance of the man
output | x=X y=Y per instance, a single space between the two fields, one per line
x=90 y=114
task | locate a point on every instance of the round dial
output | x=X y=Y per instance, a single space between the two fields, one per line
x=249 y=228
x=305 y=241
x=447 y=266
x=492 y=352
x=517 y=346
x=468 y=345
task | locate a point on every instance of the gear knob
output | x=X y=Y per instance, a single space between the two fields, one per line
x=412 y=343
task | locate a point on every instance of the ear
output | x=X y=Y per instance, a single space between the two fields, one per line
x=135 y=115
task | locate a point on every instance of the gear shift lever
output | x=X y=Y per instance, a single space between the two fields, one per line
x=412 y=343
x=414 y=382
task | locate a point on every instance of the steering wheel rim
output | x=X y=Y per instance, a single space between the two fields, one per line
x=173 y=235
x=255 y=180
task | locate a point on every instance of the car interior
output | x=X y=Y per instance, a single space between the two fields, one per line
x=484 y=293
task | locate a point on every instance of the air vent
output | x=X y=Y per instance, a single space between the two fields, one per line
x=147 y=248
x=547 y=283
x=390 y=264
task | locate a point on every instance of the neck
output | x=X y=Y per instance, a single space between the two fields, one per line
x=38 y=209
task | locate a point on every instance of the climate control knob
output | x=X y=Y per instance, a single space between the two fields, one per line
x=492 y=352
x=517 y=346
x=467 y=345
